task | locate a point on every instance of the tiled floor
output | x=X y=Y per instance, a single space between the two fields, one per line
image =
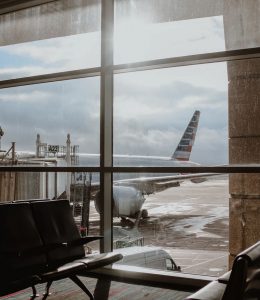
x=67 y=290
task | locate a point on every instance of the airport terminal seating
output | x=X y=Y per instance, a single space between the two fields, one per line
x=40 y=243
x=242 y=282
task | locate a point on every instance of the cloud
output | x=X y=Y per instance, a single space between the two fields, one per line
x=211 y=146
x=168 y=103
x=152 y=110
x=51 y=55
x=147 y=41
x=53 y=110
x=8 y=73
x=34 y=96
x=143 y=41
x=149 y=119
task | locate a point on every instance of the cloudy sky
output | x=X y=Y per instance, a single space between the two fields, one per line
x=152 y=108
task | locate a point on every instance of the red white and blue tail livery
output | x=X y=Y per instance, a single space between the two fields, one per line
x=184 y=147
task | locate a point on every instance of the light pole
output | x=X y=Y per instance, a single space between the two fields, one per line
x=1 y=134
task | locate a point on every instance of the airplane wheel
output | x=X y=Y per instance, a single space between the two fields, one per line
x=123 y=222
x=144 y=213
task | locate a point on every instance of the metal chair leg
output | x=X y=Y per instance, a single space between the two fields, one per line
x=47 y=290
x=102 y=289
x=34 y=294
x=79 y=283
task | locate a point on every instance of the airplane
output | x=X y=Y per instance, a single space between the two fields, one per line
x=130 y=190
x=129 y=193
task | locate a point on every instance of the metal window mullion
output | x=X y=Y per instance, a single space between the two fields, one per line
x=205 y=58
x=225 y=169
x=189 y=60
x=106 y=124
x=52 y=77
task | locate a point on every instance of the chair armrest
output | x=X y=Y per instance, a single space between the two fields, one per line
x=224 y=278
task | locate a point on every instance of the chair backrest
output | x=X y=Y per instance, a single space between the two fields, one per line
x=252 y=289
x=56 y=226
x=245 y=272
x=20 y=242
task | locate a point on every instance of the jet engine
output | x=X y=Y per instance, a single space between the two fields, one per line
x=127 y=201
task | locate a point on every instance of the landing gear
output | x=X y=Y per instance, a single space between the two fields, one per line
x=144 y=214
x=125 y=222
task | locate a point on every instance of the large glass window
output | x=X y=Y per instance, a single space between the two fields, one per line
x=50 y=56
x=53 y=110
x=54 y=37
x=195 y=104
x=182 y=221
x=152 y=110
x=172 y=117
x=146 y=30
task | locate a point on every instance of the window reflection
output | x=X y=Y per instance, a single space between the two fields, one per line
x=159 y=32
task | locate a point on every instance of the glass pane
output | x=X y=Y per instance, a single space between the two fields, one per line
x=83 y=189
x=171 y=115
x=65 y=36
x=180 y=224
x=146 y=30
x=39 y=117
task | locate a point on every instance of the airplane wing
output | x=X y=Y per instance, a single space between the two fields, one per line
x=148 y=185
x=152 y=184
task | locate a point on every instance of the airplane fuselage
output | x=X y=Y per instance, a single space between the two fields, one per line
x=129 y=188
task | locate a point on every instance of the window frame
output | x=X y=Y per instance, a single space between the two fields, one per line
x=106 y=72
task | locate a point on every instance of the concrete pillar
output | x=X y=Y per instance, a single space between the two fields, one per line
x=241 y=23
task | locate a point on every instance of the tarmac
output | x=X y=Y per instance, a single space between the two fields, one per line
x=193 y=225
x=190 y=222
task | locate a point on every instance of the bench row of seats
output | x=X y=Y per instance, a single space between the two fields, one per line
x=242 y=282
x=40 y=243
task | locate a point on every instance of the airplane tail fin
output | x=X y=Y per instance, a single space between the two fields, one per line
x=184 y=147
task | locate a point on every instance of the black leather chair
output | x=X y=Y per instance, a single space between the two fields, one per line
x=242 y=282
x=21 y=248
x=251 y=265
x=66 y=254
x=40 y=242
